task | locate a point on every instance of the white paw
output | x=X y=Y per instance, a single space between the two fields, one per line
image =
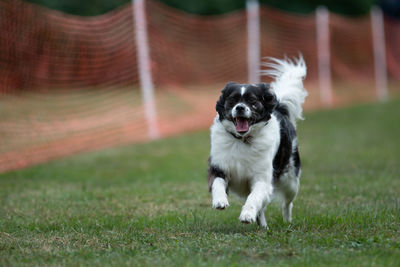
x=248 y=216
x=220 y=203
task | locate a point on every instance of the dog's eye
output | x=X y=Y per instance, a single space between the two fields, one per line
x=252 y=101
x=231 y=101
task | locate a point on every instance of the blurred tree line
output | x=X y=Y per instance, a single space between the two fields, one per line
x=213 y=7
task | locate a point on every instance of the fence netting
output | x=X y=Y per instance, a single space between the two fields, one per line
x=70 y=84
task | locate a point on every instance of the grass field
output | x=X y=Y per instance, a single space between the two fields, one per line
x=148 y=204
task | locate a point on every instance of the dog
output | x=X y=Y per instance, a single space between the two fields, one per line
x=254 y=150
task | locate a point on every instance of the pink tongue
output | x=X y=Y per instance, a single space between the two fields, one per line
x=242 y=125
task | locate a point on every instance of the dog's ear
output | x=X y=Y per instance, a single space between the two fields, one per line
x=220 y=107
x=269 y=99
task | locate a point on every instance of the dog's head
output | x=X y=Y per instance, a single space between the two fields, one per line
x=242 y=106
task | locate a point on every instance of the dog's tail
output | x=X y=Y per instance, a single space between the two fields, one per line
x=288 y=84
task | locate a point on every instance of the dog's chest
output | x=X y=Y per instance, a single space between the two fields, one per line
x=241 y=160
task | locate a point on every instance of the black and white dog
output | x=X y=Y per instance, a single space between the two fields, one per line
x=253 y=142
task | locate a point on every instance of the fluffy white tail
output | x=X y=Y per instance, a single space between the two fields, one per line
x=288 y=84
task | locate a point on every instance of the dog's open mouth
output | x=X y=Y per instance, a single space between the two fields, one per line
x=242 y=124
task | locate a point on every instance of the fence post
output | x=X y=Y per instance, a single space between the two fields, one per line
x=323 y=49
x=143 y=57
x=378 y=42
x=253 y=40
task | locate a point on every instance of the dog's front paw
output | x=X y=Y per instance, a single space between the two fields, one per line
x=220 y=203
x=248 y=215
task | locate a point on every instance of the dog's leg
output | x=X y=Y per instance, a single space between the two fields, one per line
x=262 y=223
x=258 y=198
x=287 y=211
x=219 y=196
x=289 y=192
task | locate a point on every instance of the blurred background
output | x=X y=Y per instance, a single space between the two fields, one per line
x=83 y=75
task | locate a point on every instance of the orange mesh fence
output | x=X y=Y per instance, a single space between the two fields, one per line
x=286 y=34
x=41 y=48
x=392 y=36
x=352 y=58
x=196 y=50
x=70 y=84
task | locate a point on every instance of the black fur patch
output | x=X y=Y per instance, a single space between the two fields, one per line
x=213 y=172
x=285 y=150
x=296 y=160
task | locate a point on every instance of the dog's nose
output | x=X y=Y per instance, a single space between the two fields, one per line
x=240 y=108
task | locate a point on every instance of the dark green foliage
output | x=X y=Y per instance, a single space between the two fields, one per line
x=212 y=7
x=79 y=7
x=351 y=8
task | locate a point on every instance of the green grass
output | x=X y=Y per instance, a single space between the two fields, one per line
x=148 y=204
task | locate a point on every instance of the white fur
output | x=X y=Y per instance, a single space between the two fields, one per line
x=242 y=90
x=288 y=84
x=220 y=199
